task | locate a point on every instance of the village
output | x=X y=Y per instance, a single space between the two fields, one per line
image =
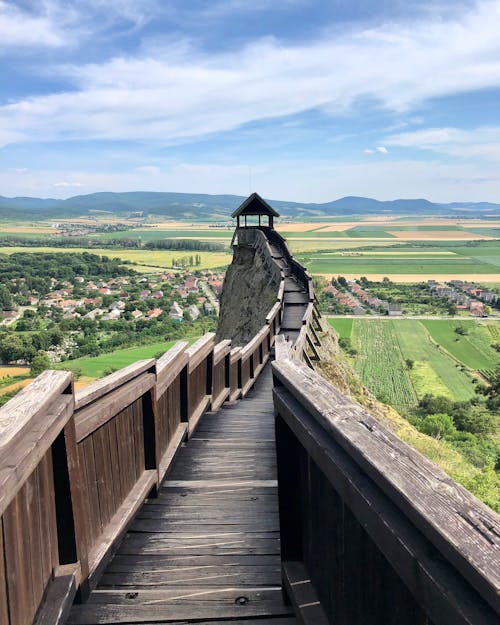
x=362 y=297
x=89 y=315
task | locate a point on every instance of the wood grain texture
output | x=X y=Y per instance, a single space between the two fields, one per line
x=105 y=385
x=463 y=529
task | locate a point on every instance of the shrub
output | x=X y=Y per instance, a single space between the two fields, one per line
x=437 y=425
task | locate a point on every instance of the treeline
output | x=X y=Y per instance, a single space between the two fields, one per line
x=185 y=244
x=115 y=243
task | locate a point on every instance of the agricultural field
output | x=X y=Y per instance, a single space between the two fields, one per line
x=407 y=263
x=147 y=258
x=95 y=367
x=442 y=360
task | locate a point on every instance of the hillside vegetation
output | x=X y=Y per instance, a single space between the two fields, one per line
x=472 y=459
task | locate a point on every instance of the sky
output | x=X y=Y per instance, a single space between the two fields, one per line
x=305 y=100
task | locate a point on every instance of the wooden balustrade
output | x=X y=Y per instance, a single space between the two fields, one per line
x=371 y=531
x=221 y=388
x=74 y=468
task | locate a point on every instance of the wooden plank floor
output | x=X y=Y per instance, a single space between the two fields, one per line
x=207 y=549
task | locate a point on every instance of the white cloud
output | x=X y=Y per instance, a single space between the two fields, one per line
x=66 y=185
x=378 y=150
x=482 y=142
x=19 y=28
x=176 y=96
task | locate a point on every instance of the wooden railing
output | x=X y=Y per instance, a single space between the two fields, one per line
x=371 y=531
x=75 y=467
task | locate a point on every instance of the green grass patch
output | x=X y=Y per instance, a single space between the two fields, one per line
x=97 y=366
x=434 y=371
x=473 y=349
x=342 y=326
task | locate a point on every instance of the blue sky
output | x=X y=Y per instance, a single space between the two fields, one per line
x=304 y=100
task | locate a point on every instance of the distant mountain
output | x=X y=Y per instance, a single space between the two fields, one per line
x=202 y=206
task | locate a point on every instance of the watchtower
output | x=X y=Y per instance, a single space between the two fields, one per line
x=255 y=205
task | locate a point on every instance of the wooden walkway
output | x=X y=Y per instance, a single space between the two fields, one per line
x=207 y=548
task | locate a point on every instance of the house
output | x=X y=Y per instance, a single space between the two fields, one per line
x=176 y=313
x=93 y=313
x=104 y=290
x=154 y=313
x=207 y=308
x=157 y=295
x=144 y=294
x=113 y=315
x=136 y=314
x=395 y=310
x=476 y=309
x=193 y=312
x=358 y=310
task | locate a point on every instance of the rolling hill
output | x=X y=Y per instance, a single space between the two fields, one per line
x=203 y=206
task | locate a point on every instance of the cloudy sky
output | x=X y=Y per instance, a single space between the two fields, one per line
x=305 y=100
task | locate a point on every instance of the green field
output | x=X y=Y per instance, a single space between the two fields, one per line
x=154 y=234
x=473 y=349
x=342 y=325
x=144 y=257
x=453 y=266
x=380 y=363
x=440 y=362
x=97 y=366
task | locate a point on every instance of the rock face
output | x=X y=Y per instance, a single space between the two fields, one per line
x=247 y=296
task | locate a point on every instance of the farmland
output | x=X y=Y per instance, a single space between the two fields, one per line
x=441 y=357
x=150 y=258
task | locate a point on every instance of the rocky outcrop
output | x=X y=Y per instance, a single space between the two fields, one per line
x=247 y=296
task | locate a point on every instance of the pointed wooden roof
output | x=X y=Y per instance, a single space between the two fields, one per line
x=255 y=205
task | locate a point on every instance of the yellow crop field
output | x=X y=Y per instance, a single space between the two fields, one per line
x=10 y=372
x=149 y=258
x=438 y=235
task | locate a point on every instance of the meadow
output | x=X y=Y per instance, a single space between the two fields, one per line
x=443 y=362
x=97 y=366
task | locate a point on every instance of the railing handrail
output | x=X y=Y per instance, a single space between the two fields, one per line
x=463 y=530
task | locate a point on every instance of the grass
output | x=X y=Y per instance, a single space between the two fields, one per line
x=383 y=347
x=380 y=363
x=342 y=326
x=365 y=265
x=97 y=366
x=434 y=371
x=154 y=234
x=473 y=350
x=150 y=258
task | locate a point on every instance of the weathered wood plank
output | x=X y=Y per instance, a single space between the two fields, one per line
x=97 y=389
x=20 y=455
x=57 y=604
x=96 y=414
x=461 y=527
x=200 y=350
x=35 y=399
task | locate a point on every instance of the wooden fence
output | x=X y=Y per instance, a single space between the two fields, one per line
x=75 y=467
x=371 y=531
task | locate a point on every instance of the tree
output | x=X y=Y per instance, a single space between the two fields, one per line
x=451 y=309
x=11 y=348
x=40 y=363
x=437 y=425
x=5 y=298
x=342 y=281
x=474 y=419
x=431 y=404
x=409 y=363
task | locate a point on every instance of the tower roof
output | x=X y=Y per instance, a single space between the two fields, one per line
x=255 y=205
